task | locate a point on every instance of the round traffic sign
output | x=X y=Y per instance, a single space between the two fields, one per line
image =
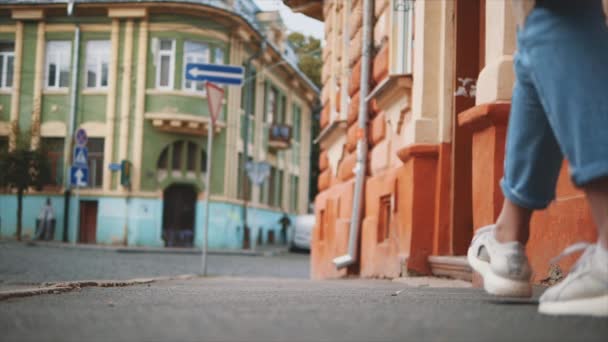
x=81 y=137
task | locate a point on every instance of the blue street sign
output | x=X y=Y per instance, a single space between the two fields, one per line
x=81 y=156
x=79 y=176
x=81 y=137
x=258 y=172
x=220 y=74
x=114 y=167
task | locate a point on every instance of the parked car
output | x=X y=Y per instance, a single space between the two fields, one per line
x=302 y=232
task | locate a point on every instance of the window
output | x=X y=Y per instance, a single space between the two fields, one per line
x=279 y=189
x=7 y=59
x=95 y=146
x=177 y=156
x=402 y=37
x=218 y=57
x=165 y=64
x=58 y=64
x=191 y=157
x=195 y=53
x=203 y=161
x=3 y=144
x=97 y=64
x=54 y=150
x=296 y=123
x=271 y=105
x=294 y=193
x=243 y=184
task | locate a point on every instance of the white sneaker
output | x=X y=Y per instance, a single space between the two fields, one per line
x=585 y=290
x=503 y=266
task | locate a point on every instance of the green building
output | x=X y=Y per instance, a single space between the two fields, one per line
x=117 y=68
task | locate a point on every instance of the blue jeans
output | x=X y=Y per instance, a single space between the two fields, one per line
x=560 y=101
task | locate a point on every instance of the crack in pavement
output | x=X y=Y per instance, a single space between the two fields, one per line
x=67 y=286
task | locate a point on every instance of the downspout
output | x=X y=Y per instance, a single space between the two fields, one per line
x=71 y=123
x=350 y=257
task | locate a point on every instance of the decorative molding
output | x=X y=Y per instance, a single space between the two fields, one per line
x=128 y=12
x=8 y=28
x=27 y=14
x=95 y=129
x=185 y=28
x=176 y=92
x=53 y=129
x=123 y=141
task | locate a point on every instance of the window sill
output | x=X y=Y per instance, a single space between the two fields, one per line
x=94 y=91
x=6 y=91
x=55 y=91
x=175 y=93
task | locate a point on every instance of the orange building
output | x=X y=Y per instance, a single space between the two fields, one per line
x=423 y=137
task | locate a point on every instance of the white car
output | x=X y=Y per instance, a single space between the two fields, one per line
x=302 y=232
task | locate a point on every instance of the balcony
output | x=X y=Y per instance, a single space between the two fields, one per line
x=279 y=137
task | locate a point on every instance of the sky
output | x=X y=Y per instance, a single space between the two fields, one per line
x=294 y=21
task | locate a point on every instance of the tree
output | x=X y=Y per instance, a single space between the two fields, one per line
x=308 y=49
x=310 y=58
x=22 y=168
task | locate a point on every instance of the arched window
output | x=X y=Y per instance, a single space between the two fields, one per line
x=162 y=160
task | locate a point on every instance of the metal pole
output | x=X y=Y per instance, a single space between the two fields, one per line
x=70 y=133
x=77 y=216
x=210 y=132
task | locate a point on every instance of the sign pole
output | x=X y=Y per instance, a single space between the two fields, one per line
x=207 y=193
x=215 y=96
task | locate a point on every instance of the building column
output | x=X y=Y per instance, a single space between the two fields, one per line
x=111 y=105
x=38 y=79
x=304 y=176
x=495 y=82
x=140 y=101
x=14 y=121
x=126 y=92
x=259 y=127
x=233 y=115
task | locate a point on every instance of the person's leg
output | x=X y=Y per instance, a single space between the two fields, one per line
x=568 y=50
x=597 y=195
x=532 y=163
x=513 y=223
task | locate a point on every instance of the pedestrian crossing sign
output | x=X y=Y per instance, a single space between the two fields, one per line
x=81 y=156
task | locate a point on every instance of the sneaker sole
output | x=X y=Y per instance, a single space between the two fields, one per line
x=596 y=306
x=495 y=284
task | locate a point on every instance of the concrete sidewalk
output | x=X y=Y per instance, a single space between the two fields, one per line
x=265 y=251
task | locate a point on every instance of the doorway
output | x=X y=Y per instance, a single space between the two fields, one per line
x=470 y=59
x=179 y=209
x=88 y=222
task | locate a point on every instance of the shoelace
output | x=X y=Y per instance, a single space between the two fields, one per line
x=579 y=246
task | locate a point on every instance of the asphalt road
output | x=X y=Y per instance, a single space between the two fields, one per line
x=21 y=265
x=258 y=309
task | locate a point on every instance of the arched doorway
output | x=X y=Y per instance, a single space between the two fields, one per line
x=179 y=209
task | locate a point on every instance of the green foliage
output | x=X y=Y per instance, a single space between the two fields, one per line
x=22 y=167
x=308 y=49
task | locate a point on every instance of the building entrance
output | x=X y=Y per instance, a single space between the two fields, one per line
x=179 y=209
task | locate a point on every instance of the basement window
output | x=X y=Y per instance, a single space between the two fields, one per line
x=384 y=218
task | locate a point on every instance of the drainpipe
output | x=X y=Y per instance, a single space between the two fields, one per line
x=360 y=168
x=71 y=124
x=248 y=104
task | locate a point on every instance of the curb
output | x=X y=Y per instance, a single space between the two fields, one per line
x=67 y=286
x=159 y=250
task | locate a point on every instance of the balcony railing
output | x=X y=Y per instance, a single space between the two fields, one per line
x=279 y=136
